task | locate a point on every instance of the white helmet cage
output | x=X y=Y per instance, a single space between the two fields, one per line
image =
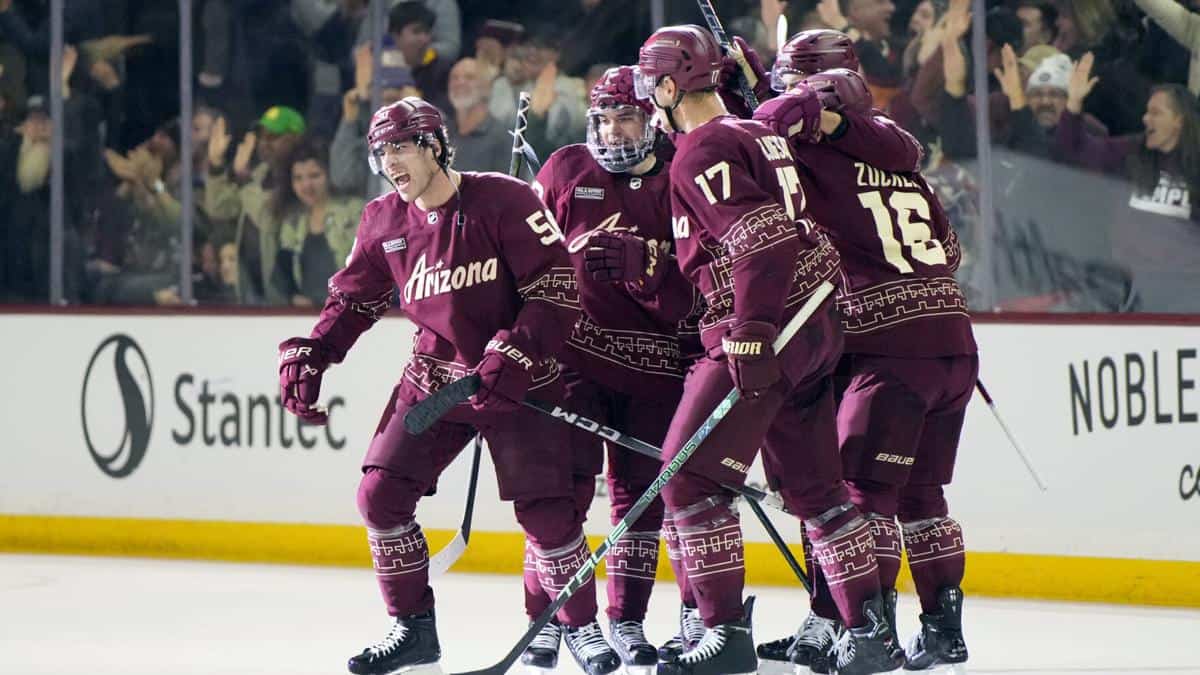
x=624 y=156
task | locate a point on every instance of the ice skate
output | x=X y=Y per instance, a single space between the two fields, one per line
x=629 y=640
x=691 y=629
x=411 y=646
x=807 y=650
x=940 y=641
x=541 y=656
x=869 y=648
x=591 y=651
x=727 y=649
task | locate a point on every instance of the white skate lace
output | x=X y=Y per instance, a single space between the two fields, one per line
x=394 y=638
x=630 y=633
x=816 y=632
x=709 y=646
x=691 y=625
x=844 y=649
x=547 y=637
x=588 y=641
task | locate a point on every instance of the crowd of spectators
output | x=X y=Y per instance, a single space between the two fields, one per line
x=283 y=92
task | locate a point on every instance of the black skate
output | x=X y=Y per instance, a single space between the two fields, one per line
x=940 y=641
x=890 y=598
x=591 y=651
x=629 y=639
x=542 y=654
x=411 y=645
x=691 y=629
x=869 y=648
x=727 y=649
x=807 y=648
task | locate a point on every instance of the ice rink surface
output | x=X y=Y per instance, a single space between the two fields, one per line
x=123 y=616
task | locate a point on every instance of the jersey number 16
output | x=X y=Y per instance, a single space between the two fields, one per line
x=916 y=238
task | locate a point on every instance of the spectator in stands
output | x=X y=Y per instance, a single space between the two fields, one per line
x=1036 y=103
x=925 y=28
x=868 y=23
x=316 y=229
x=136 y=252
x=242 y=193
x=214 y=282
x=348 y=167
x=597 y=30
x=410 y=28
x=1183 y=26
x=1156 y=230
x=558 y=105
x=492 y=43
x=446 y=42
x=12 y=84
x=1038 y=20
x=481 y=142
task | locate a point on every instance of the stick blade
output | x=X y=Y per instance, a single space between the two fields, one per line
x=427 y=413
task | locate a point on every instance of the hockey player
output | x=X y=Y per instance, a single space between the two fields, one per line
x=483 y=273
x=611 y=197
x=743 y=239
x=910 y=359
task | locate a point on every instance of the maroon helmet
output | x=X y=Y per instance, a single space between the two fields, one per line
x=408 y=119
x=841 y=89
x=688 y=53
x=613 y=95
x=812 y=51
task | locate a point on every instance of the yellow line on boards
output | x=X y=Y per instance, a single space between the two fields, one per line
x=1112 y=580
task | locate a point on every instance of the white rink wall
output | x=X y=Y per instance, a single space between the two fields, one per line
x=1106 y=413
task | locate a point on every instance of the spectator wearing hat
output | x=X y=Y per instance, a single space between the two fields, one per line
x=347 y=171
x=241 y=192
x=482 y=142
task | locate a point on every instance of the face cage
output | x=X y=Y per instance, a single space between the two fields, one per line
x=619 y=158
x=784 y=78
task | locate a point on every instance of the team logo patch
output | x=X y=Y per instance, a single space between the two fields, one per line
x=635 y=183
x=393 y=245
x=432 y=218
x=589 y=193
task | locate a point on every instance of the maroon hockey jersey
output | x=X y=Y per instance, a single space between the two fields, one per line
x=899 y=251
x=740 y=225
x=627 y=336
x=490 y=258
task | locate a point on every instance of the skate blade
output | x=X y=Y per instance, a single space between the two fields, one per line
x=773 y=667
x=421 y=669
x=535 y=670
x=640 y=670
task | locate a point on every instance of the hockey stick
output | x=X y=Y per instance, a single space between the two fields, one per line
x=753 y=495
x=445 y=558
x=1008 y=432
x=689 y=448
x=718 y=31
x=521 y=152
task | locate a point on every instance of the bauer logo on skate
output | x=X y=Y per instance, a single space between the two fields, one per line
x=895 y=459
x=428 y=281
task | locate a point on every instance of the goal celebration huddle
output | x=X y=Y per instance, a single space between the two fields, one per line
x=711 y=279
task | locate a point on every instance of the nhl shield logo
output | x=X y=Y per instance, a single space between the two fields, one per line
x=432 y=218
x=635 y=183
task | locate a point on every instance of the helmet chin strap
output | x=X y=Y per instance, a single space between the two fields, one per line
x=669 y=113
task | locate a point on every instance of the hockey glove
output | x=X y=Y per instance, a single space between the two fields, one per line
x=751 y=357
x=504 y=376
x=795 y=115
x=742 y=61
x=302 y=362
x=615 y=256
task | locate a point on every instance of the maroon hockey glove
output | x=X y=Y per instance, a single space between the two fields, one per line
x=615 y=256
x=751 y=357
x=302 y=361
x=729 y=86
x=795 y=115
x=504 y=376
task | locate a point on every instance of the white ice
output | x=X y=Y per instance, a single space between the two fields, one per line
x=131 y=616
